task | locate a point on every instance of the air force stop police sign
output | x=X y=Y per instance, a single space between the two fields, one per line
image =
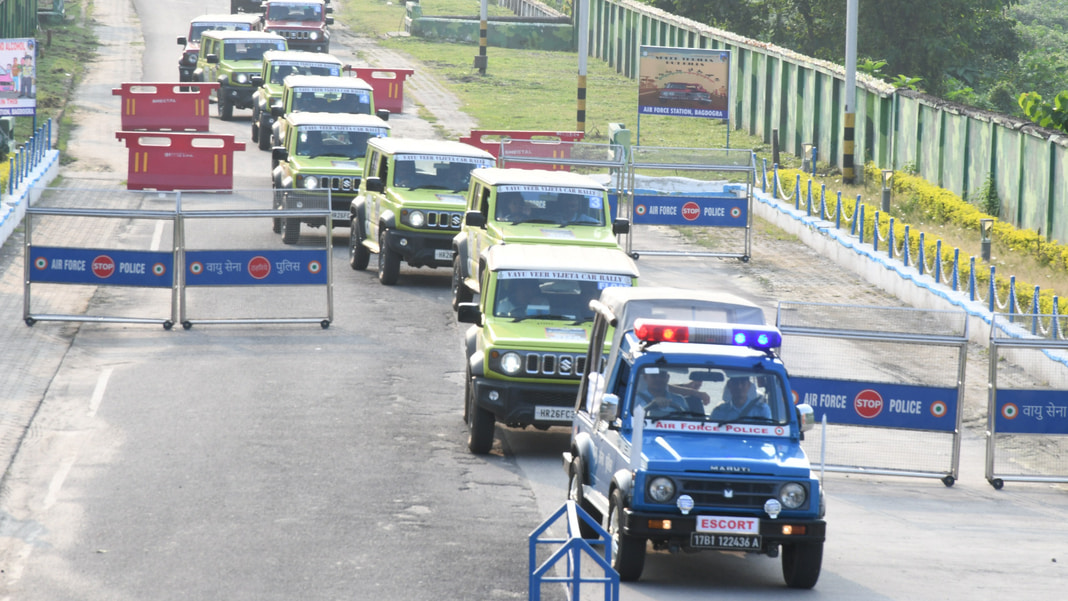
x=107 y=267
x=708 y=211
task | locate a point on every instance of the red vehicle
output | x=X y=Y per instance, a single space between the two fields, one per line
x=191 y=43
x=303 y=23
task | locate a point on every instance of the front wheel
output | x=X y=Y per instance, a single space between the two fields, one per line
x=359 y=256
x=460 y=292
x=574 y=493
x=479 y=421
x=801 y=564
x=255 y=128
x=628 y=552
x=265 y=132
x=290 y=231
x=226 y=109
x=388 y=260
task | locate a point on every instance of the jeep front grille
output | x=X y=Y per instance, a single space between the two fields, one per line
x=444 y=220
x=553 y=364
x=293 y=35
x=729 y=493
x=343 y=184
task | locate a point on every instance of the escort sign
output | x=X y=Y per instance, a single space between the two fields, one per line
x=108 y=267
x=708 y=211
x=878 y=404
x=1031 y=412
x=255 y=267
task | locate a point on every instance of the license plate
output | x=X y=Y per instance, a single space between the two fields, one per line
x=554 y=414
x=735 y=542
x=443 y=254
x=340 y=215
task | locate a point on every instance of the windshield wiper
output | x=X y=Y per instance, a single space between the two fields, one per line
x=544 y=316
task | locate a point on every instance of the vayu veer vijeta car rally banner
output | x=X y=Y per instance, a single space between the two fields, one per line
x=683 y=82
x=18 y=69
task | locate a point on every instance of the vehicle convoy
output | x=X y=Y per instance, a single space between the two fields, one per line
x=323 y=94
x=322 y=155
x=529 y=206
x=687 y=436
x=190 y=43
x=411 y=203
x=303 y=23
x=277 y=65
x=231 y=58
x=526 y=346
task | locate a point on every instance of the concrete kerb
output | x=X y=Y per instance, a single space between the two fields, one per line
x=26 y=193
x=906 y=283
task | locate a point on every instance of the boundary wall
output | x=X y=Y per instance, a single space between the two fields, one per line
x=774 y=89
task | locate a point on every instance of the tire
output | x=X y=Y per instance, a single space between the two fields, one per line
x=479 y=422
x=359 y=256
x=460 y=292
x=290 y=231
x=226 y=109
x=388 y=260
x=264 y=126
x=276 y=222
x=255 y=128
x=801 y=564
x=628 y=553
x=575 y=476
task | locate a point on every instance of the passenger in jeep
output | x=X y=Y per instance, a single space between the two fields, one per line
x=741 y=399
x=524 y=298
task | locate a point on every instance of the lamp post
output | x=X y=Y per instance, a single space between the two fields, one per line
x=986 y=226
x=848 y=133
x=888 y=175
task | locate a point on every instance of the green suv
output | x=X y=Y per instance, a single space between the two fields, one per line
x=410 y=203
x=321 y=153
x=231 y=58
x=529 y=206
x=526 y=347
x=277 y=65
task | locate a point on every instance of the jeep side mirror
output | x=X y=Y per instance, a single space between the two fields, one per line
x=213 y=59
x=620 y=226
x=609 y=408
x=257 y=80
x=468 y=313
x=374 y=184
x=382 y=114
x=279 y=154
x=806 y=417
x=277 y=111
x=329 y=20
x=474 y=219
x=181 y=40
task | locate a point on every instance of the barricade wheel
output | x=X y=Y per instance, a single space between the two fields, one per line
x=949 y=481
x=325 y=323
x=997 y=483
x=30 y=321
x=388 y=260
x=168 y=324
x=290 y=231
x=187 y=325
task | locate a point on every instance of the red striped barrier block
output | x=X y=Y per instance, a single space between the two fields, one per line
x=387 y=85
x=165 y=106
x=180 y=160
x=541 y=144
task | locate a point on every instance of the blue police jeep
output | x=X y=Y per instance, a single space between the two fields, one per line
x=688 y=436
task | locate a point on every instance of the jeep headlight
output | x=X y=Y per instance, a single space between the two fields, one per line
x=417 y=219
x=792 y=495
x=191 y=59
x=311 y=182
x=314 y=35
x=661 y=489
x=241 y=77
x=511 y=363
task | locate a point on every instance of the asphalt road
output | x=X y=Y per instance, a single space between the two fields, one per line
x=288 y=461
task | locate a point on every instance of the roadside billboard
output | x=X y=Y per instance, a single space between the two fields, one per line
x=18 y=77
x=683 y=82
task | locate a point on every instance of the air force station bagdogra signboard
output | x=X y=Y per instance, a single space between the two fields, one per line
x=683 y=82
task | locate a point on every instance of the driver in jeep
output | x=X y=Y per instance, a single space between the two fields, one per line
x=741 y=399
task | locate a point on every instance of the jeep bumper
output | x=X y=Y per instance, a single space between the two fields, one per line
x=339 y=208
x=239 y=96
x=643 y=525
x=519 y=404
x=421 y=249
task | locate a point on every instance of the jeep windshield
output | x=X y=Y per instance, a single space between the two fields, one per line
x=559 y=296
x=279 y=72
x=296 y=12
x=550 y=204
x=433 y=172
x=719 y=396
x=250 y=50
x=324 y=142
x=197 y=29
x=333 y=101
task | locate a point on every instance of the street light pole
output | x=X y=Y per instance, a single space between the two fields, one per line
x=849 y=135
x=583 y=50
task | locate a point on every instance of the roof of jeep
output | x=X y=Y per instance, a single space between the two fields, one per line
x=250 y=18
x=644 y=302
x=301 y=119
x=302 y=56
x=534 y=177
x=556 y=257
x=326 y=81
x=243 y=35
x=425 y=146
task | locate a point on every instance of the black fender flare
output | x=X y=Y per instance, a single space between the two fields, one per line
x=475 y=357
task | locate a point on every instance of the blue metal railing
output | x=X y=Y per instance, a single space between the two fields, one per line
x=572 y=549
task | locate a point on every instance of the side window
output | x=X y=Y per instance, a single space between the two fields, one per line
x=591 y=386
x=484 y=204
x=472 y=199
x=383 y=168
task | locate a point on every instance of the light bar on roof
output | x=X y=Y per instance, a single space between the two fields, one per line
x=702 y=332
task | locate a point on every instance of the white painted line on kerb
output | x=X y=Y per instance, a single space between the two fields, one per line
x=98 y=392
x=157 y=236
